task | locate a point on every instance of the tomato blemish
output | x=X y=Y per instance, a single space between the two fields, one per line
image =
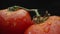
x=46 y=29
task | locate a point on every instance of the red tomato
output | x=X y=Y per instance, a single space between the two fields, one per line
x=14 y=21
x=50 y=26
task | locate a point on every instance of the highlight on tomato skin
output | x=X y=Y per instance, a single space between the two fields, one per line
x=50 y=26
x=14 y=20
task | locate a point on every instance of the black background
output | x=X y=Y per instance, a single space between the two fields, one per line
x=53 y=6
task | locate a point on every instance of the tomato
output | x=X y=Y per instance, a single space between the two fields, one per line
x=14 y=20
x=50 y=26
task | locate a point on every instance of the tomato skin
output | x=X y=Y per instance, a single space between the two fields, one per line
x=14 y=22
x=50 y=26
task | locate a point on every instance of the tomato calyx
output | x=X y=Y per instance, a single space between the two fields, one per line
x=13 y=8
x=39 y=19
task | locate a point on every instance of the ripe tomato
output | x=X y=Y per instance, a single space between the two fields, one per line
x=14 y=21
x=50 y=26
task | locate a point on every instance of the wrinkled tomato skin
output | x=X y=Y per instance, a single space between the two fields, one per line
x=50 y=26
x=14 y=22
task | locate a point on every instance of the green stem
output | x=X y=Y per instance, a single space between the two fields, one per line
x=14 y=8
x=38 y=16
x=36 y=11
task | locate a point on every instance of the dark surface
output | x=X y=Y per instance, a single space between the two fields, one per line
x=53 y=6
